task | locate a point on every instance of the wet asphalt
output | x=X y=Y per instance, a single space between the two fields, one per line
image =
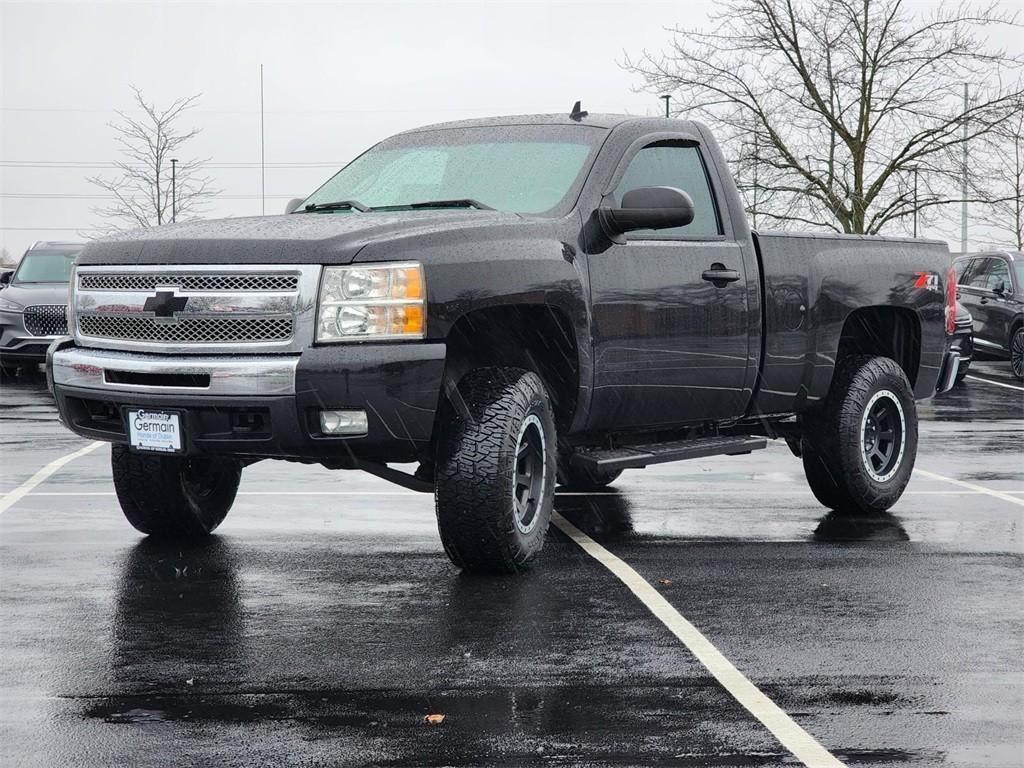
x=323 y=622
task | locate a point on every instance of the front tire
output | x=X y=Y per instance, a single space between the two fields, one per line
x=578 y=479
x=172 y=496
x=859 y=448
x=495 y=471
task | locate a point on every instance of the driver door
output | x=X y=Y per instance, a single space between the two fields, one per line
x=670 y=346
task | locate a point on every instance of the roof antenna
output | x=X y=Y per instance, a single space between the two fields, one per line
x=578 y=113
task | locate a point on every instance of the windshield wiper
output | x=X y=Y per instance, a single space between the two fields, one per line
x=464 y=202
x=338 y=205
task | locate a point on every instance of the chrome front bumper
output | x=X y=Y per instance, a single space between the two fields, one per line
x=80 y=367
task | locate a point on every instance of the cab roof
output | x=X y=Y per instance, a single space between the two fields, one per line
x=43 y=244
x=605 y=121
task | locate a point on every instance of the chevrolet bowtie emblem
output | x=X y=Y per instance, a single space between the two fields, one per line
x=165 y=304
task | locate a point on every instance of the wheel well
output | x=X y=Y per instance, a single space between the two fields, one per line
x=885 y=331
x=539 y=338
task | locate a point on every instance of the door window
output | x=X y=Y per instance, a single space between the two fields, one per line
x=998 y=272
x=673 y=164
x=986 y=274
x=962 y=271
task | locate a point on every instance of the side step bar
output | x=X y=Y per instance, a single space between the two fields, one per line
x=630 y=456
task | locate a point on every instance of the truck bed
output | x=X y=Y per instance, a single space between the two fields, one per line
x=812 y=285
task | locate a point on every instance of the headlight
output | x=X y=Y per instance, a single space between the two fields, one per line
x=10 y=306
x=380 y=301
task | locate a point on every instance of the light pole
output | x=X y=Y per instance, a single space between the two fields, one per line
x=174 y=190
x=667 y=97
x=963 y=180
x=915 y=201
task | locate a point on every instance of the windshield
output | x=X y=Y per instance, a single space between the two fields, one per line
x=518 y=169
x=45 y=267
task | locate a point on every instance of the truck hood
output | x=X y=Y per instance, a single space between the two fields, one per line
x=28 y=294
x=306 y=238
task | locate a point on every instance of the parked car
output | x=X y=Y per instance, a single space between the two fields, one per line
x=33 y=306
x=509 y=302
x=991 y=286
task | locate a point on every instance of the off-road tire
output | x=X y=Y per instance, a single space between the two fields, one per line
x=836 y=437
x=474 y=486
x=579 y=479
x=171 y=496
x=819 y=476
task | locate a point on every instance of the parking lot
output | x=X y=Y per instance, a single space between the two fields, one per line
x=323 y=622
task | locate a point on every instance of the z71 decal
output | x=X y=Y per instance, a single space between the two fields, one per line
x=927 y=280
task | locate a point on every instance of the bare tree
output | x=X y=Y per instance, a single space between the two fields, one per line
x=1003 y=185
x=142 y=194
x=834 y=104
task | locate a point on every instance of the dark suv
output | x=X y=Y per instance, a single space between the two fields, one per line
x=992 y=288
x=33 y=305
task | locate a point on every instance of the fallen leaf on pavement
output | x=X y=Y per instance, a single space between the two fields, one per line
x=434 y=719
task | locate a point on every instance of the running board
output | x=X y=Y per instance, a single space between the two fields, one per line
x=630 y=456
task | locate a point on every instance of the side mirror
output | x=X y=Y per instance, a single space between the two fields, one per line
x=5 y=277
x=1000 y=288
x=294 y=203
x=648 y=208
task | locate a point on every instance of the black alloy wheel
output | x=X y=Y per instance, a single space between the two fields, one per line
x=530 y=475
x=883 y=433
x=1017 y=353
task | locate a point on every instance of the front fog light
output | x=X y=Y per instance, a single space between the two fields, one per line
x=351 y=423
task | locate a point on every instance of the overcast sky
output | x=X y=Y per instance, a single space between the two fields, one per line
x=337 y=77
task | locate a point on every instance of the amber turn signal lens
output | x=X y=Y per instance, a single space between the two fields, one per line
x=407 y=321
x=408 y=283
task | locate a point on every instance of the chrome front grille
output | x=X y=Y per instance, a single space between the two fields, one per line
x=200 y=330
x=187 y=281
x=46 y=319
x=177 y=309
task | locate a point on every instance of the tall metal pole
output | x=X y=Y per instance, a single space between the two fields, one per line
x=753 y=212
x=915 y=201
x=263 y=154
x=667 y=97
x=963 y=182
x=174 y=190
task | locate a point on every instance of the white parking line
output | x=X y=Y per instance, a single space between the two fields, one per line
x=996 y=383
x=782 y=726
x=976 y=488
x=22 y=490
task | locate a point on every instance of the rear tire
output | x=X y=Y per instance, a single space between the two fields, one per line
x=171 y=496
x=859 y=448
x=819 y=476
x=495 y=471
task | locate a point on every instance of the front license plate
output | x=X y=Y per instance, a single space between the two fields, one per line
x=158 y=431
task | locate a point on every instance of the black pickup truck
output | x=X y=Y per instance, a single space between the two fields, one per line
x=510 y=303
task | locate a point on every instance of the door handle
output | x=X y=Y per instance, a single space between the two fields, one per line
x=719 y=276
x=984 y=299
